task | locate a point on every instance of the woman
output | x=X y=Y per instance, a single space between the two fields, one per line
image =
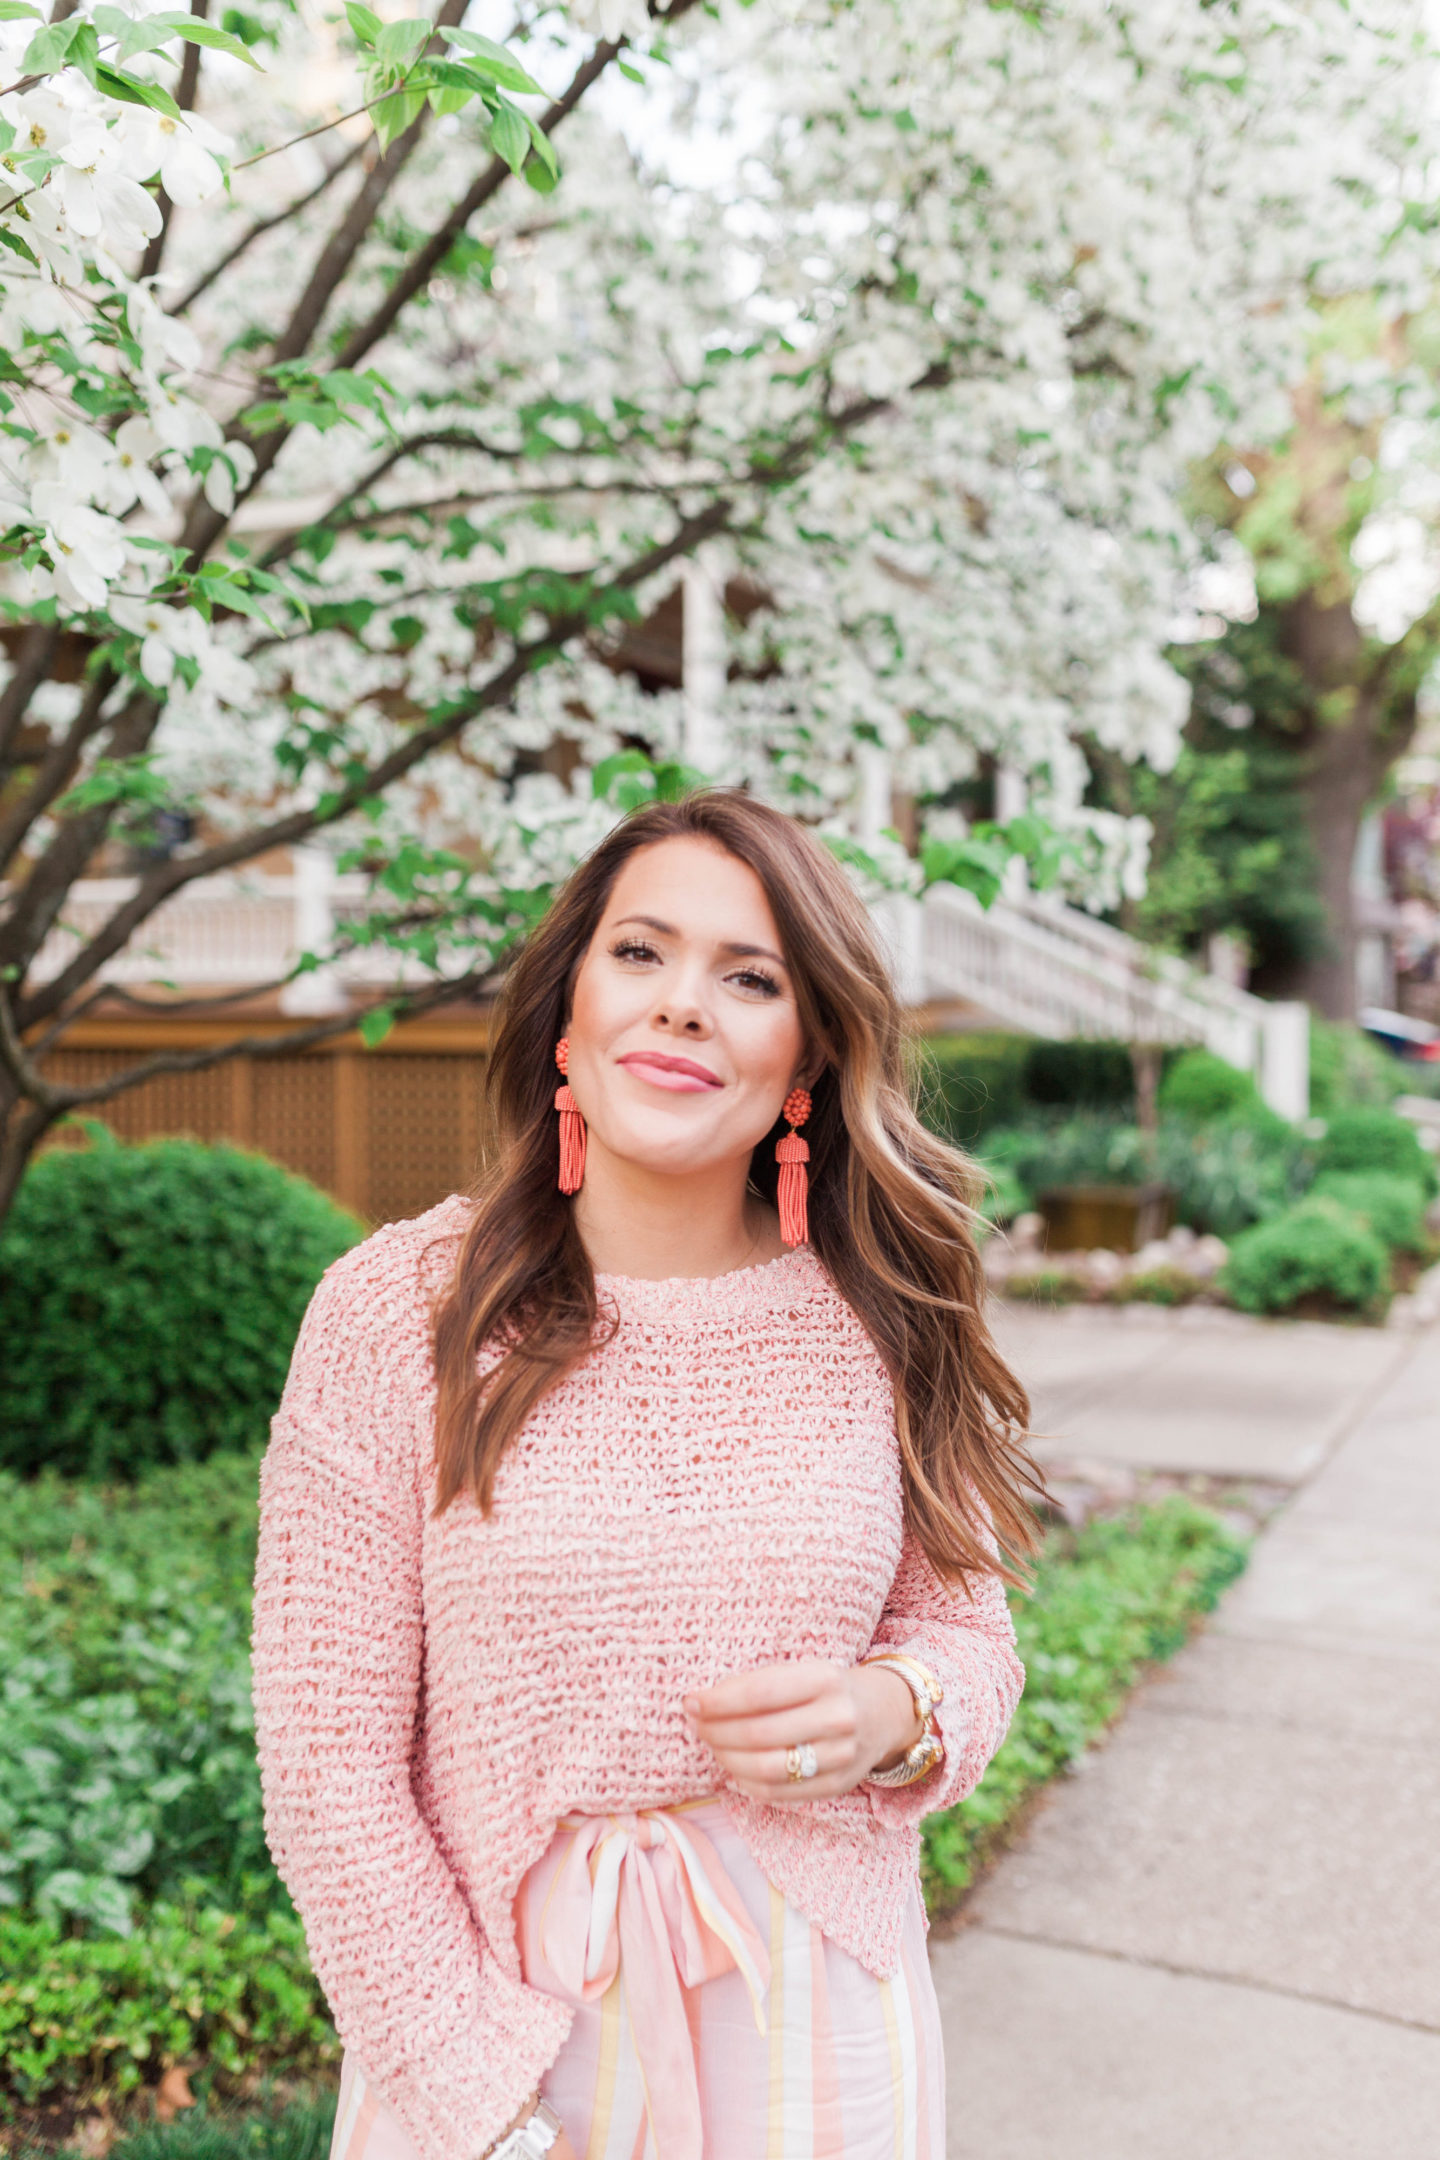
x=630 y=1574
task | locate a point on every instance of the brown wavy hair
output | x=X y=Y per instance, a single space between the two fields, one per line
x=891 y=1204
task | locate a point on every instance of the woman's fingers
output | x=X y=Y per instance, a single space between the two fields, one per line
x=770 y=1687
x=763 y=1772
x=827 y=1717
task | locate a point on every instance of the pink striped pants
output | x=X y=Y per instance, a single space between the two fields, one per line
x=713 y=2021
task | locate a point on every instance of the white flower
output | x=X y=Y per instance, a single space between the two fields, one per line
x=186 y=155
x=136 y=443
x=610 y=19
x=96 y=186
x=88 y=549
x=165 y=634
x=41 y=120
x=232 y=467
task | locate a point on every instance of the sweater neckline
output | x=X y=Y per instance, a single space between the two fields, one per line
x=766 y=1287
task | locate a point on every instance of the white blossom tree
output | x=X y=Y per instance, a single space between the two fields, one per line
x=353 y=402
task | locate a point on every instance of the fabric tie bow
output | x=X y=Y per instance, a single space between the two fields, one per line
x=649 y=1892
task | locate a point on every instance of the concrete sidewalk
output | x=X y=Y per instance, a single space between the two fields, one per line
x=1221 y=1939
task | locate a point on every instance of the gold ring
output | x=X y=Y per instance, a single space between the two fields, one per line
x=801 y=1762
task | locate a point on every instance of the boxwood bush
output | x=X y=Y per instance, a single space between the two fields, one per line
x=1393 y=1207
x=149 y=1301
x=1200 y=1085
x=1318 y=1249
x=1371 y=1140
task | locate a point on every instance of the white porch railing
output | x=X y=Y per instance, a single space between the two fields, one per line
x=1032 y=964
x=231 y=931
x=1046 y=969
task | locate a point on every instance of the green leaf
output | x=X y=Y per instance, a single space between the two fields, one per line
x=400 y=41
x=631 y=74
x=509 y=137
x=17 y=11
x=49 y=49
x=394 y=114
x=376 y=1024
x=130 y=90
x=544 y=148
x=538 y=176
x=493 y=61
x=365 y=23
x=195 y=32
x=17 y=246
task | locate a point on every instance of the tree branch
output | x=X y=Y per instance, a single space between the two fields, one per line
x=435 y=439
x=205 y=525
x=263 y=225
x=54 y=772
x=18 y=1058
x=32 y=665
x=41 y=897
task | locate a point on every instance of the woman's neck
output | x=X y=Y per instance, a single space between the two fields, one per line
x=640 y=1223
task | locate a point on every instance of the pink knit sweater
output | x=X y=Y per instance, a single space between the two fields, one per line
x=716 y=1487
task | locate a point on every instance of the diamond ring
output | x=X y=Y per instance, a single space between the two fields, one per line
x=801 y=1762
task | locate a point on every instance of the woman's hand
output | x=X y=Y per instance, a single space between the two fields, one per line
x=858 y=1718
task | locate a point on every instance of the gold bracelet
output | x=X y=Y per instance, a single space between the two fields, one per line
x=922 y=1756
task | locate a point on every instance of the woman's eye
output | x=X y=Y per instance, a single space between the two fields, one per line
x=756 y=979
x=633 y=949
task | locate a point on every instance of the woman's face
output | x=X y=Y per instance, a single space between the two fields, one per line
x=684 y=1033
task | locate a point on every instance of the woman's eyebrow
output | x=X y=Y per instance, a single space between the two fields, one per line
x=731 y=946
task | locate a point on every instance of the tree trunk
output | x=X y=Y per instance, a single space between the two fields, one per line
x=1349 y=743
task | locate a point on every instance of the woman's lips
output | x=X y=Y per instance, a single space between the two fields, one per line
x=680 y=1075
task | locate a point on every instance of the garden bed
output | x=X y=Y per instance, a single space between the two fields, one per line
x=146 y=1928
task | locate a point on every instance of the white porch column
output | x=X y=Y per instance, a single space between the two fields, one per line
x=1012 y=800
x=1285 y=1058
x=321 y=991
x=702 y=666
x=897 y=916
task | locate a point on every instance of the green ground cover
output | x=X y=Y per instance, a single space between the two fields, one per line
x=1107 y=1601
x=141 y=1922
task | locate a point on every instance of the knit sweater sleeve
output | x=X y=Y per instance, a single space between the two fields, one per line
x=452 y=2043
x=968 y=1641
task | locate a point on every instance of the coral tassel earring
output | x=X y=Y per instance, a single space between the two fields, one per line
x=792 y=1154
x=572 y=1127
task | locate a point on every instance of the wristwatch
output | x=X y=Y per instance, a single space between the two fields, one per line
x=918 y=1761
x=529 y=2140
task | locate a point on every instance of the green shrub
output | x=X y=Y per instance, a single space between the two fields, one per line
x=1080 y=1075
x=1393 y=1207
x=1201 y=1086
x=1233 y=1172
x=1348 y=1069
x=1105 y=1601
x=971 y=1083
x=1317 y=1249
x=195 y=1980
x=1377 y=1140
x=127 y=1744
x=1226 y=1175
x=968 y=1083
x=149 y=1301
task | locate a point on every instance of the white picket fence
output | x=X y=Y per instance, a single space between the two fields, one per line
x=1040 y=967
